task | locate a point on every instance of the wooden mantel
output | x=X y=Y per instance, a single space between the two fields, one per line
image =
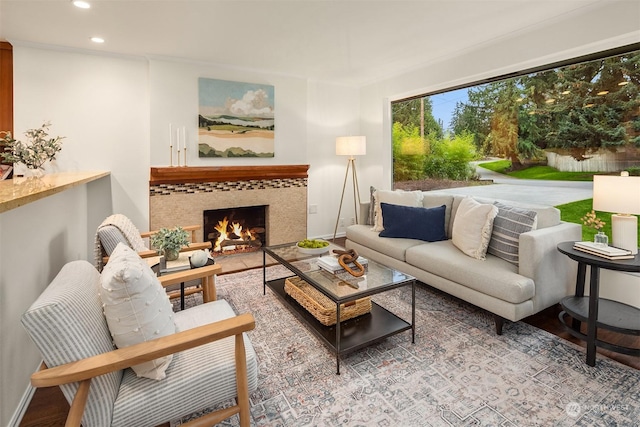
x=192 y=174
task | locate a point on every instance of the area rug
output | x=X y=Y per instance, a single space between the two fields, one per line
x=458 y=372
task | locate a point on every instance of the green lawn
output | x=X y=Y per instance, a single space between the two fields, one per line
x=538 y=172
x=570 y=212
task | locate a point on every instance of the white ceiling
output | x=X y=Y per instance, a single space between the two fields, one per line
x=351 y=42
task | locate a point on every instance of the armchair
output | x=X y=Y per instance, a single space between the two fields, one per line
x=118 y=228
x=213 y=359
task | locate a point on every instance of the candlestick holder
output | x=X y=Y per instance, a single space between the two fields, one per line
x=178 y=158
x=185 y=156
x=171 y=155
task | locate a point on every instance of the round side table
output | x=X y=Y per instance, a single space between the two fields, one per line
x=598 y=313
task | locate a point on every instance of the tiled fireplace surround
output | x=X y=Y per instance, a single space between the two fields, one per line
x=180 y=195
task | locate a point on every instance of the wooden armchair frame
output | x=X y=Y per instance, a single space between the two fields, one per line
x=206 y=274
x=193 y=245
x=84 y=370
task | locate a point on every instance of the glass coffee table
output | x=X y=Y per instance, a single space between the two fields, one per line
x=352 y=334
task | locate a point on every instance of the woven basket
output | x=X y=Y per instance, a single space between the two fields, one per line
x=320 y=306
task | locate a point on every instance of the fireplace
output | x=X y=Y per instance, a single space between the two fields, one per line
x=180 y=195
x=235 y=230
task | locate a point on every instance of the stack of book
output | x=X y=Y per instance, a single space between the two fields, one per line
x=330 y=263
x=608 y=252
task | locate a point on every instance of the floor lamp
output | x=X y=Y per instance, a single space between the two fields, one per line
x=619 y=194
x=350 y=146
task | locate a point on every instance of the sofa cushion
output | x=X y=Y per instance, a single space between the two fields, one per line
x=136 y=306
x=397 y=197
x=372 y=206
x=366 y=236
x=413 y=223
x=472 y=227
x=548 y=216
x=430 y=200
x=507 y=227
x=493 y=276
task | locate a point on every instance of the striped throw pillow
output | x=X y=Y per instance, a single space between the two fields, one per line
x=507 y=227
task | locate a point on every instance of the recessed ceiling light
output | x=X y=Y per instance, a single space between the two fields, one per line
x=97 y=39
x=81 y=4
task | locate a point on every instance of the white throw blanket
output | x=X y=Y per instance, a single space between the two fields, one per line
x=128 y=230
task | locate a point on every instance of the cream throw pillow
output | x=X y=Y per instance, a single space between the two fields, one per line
x=397 y=197
x=136 y=306
x=472 y=227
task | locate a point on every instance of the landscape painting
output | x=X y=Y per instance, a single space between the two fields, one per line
x=235 y=119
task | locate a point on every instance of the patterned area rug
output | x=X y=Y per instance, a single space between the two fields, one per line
x=458 y=373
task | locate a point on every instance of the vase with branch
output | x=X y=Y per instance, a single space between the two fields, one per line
x=35 y=152
x=591 y=220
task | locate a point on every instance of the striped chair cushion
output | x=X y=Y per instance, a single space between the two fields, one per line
x=66 y=324
x=507 y=227
x=196 y=379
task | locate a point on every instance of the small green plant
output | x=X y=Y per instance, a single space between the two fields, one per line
x=38 y=149
x=169 y=241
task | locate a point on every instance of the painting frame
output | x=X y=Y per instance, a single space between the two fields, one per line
x=235 y=119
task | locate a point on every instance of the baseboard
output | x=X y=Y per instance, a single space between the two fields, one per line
x=23 y=405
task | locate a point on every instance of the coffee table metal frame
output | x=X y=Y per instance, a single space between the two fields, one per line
x=352 y=334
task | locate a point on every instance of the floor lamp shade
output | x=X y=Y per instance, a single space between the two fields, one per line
x=351 y=145
x=619 y=194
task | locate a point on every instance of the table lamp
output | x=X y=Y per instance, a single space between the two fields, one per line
x=620 y=194
x=350 y=146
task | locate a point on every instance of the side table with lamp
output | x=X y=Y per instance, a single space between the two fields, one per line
x=620 y=194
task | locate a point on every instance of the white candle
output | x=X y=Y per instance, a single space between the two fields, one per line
x=170 y=136
x=178 y=138
x=184 y=137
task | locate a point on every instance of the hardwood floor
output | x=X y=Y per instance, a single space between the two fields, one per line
x=48 y=408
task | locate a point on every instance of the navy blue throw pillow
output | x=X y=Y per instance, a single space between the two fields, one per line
x=413 y=222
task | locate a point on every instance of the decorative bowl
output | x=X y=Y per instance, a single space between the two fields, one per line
x=313 y=251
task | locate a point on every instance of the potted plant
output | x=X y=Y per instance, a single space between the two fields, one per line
x=168 y=242
x=38 y=149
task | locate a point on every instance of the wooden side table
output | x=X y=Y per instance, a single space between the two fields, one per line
x=595 y=311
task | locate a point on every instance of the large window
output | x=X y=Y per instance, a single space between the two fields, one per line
x=579 y=115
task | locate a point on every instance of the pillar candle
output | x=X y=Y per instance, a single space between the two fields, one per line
x=170 y=136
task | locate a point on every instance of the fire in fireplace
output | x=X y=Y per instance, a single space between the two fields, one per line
x=235 y=230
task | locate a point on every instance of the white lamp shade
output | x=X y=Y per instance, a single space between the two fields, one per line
x=617 y=194
x=621 y=195
x=351 y=145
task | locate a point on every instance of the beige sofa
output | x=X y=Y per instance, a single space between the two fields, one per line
x=542 y=277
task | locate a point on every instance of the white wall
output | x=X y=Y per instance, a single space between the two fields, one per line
x=101 y=105
x=37 y=240
x=174 y=99
x=333 y=111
